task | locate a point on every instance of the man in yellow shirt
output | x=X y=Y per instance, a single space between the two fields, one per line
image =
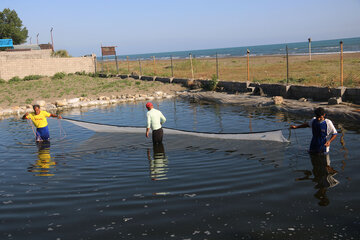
x=38 y=118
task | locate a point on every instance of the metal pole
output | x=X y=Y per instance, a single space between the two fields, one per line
x=52 y=40
x=341 y=64
x=248 y=64
x=30 y=40
x=191 y=64
x=172 y=68
x=217 y=67
x=154 y=65
x=37 y=39
x=127 y=59
x=102 y=61
x=287 y=66
x=309 y=49
x=140 y=67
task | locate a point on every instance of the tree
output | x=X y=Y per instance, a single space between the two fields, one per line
x=11 y=27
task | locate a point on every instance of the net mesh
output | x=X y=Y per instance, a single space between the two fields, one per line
x=275 y=135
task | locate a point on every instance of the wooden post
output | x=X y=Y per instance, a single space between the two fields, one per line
x=127 y=59
x=248 y=64
x=172 y=68
x=140 y=67
x=117 y=65
x=309 y=49
x=154 y=66
x=95 y=63
x=341 y=64
x=191 y=64
x=102 y=61
x=217 y=67
x=287 y=65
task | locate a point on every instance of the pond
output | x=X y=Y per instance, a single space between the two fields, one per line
x=88 y=185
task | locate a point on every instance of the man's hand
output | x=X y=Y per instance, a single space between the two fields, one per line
x=327 y=144
x=293 y=127
x=59 y=117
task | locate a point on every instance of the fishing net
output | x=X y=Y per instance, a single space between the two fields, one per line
x=275 y=135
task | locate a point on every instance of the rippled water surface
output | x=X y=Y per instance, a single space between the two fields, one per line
x=88 y=185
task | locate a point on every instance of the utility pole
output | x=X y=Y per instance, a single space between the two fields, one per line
x=192 y=69
x=172 y=67
x=30 y=40
x=37 y=39
x=217 y=67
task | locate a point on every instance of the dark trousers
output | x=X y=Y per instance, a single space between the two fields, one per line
x=157 y=136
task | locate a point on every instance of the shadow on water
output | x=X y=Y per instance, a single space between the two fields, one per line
x=323 y=176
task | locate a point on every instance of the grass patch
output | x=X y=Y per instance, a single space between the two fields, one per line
x=29 y=100
x=15 y=79
x=59 y=75
x=32 y=77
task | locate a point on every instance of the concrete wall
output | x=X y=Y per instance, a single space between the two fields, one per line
x=40 y=62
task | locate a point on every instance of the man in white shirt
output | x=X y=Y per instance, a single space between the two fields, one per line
x=154 y=121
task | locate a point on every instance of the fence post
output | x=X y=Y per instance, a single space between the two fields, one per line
x=127 y=59
x=217 y=67
x=191 y=64
x=154 y=66
x=117 y=65
x=172 y=68
x=287 y=65
x=248 y=64
x=309 y=49
x=140 y=67
x=341 y=64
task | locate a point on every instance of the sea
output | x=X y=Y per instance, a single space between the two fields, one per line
x=350 y=45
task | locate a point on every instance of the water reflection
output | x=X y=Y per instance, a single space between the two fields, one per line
x=323 y=176
x=158 y=163
x=44 y=161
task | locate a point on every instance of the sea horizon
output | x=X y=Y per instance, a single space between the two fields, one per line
x=350 y=45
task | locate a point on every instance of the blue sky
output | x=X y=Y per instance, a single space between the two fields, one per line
x=147 y=26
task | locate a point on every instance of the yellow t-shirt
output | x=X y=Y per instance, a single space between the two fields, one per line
x=40 y=119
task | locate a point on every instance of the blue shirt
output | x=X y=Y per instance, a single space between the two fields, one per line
x=322 y=131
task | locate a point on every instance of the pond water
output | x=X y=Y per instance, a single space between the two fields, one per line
x=88 y=185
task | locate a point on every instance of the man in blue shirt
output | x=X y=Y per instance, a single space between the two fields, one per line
x=323 y=131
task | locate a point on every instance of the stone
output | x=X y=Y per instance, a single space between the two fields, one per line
x=61 y=103
x=159 y=93
x=302 y=100
x=278 y=100
x=73 y=100
x=41 y=103
x=334 y=101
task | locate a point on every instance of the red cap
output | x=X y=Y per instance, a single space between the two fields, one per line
x=149 y=104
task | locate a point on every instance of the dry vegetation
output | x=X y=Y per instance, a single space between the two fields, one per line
x=20 y=92
x=323 y=70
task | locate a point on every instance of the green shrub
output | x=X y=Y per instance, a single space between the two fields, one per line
x=15 y=79
x=60 y=53
x=32 y=77
x=29 y=100
x=59 y=75
x=212 y=84
x=2 y=81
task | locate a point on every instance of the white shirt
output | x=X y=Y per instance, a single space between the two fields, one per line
x=154 y=119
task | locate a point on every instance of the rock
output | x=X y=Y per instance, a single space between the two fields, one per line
x=41 y=103
x=159 y=93
x=278 y=100
x=50 y=107
x=302 y=100
x=61 y=103
x=113 y=97
x=150 y=98
x=334 y=101
x=73 y=100
x=29 y=106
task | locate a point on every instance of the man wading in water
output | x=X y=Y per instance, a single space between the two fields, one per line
x=154 y=121
x=40 y=122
